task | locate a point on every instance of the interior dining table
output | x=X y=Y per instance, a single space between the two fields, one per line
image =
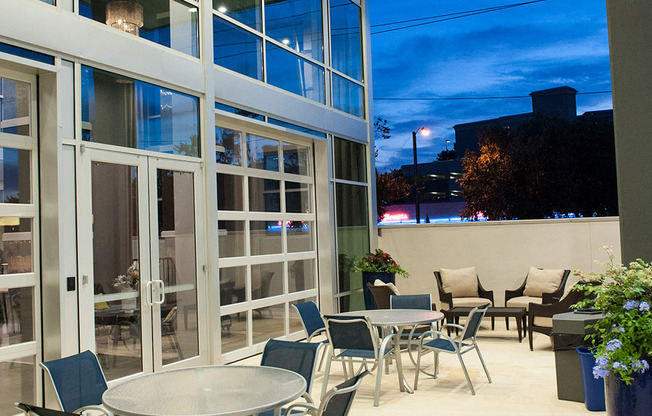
x=224 y=390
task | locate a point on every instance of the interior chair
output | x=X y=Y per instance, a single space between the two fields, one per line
x=381 y=295
x=461 y=287
x=78 y=381
x=300 y=357
x=337 y=402
x=438 y=342
x=312 y=323
x=540 y=316
x=540 y=286
x=263 y=291
x=354 y=340
x=169 y=329
x=31 y=410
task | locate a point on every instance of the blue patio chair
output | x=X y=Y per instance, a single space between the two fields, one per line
x=312 y=323
x=31 y=410
x=300 y=357
x=423 y=302
x=357 y=342
x=337 y=402
x=438 y=341
x=78 y=381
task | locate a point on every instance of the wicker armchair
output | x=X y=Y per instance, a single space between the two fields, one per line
x=484 y=296
x=516 y=298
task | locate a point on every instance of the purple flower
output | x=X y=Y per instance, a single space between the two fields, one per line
x=618 y=364
x=602 y=361
x=631 y=304
x=599 y=372
x=613 y=345
x=618 y=328
x=644 y=306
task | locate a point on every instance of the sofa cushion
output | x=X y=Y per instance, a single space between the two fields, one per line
x=390 y=285
x=460 y=282
x=470 y=302
x=543 y=321
x=542 y=281
x=523 y=301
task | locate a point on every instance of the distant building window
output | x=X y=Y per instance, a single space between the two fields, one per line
x=125 y=112
x=171 y=23
x=237 y=49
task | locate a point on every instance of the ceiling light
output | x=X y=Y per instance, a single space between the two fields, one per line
x=222 y=9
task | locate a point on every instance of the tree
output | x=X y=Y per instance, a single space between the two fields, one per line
x=550 y=166
x=381 y=131
x=390 y=187
x=447 y=155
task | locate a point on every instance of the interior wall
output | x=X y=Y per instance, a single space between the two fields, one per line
x=502 y=251
x=630 y=34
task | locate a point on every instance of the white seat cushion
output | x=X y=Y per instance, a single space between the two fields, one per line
x=390 y=285
x=543 y=321
x=523 y=302
x=461 y=283
x=542 y=281
x=470 y=302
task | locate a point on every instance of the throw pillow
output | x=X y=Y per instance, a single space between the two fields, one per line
x=541 y=281
x=461 y=283
x=390 y=285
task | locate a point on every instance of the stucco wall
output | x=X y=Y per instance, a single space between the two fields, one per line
x=501 y=252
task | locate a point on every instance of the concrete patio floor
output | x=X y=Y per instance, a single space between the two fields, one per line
x=524 y=382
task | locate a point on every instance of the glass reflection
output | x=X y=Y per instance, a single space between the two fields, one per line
x=14 y=107
x=346 y=38
x=15 y=245
x=297 y=197
x=18 y=381
x=297 y=24
x=268 y=322
x=244 y=11
x=232 y=285
x=231 y=238
x=230 y=195
x=234 y=331
x=227 y=146
x=301 y=275
x=296 y=159
x=299 y=236
x=350 y=160
x=265 y=237
x=16 y=315
x=347 y=96
x=15 y=173
x=266 y=280
x=236 y=49
x=264 y=195
x=294 y=74
x=262 y=153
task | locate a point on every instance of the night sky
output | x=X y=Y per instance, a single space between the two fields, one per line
x=509 y=52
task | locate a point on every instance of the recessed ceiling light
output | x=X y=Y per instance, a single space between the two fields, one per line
x=222 y=9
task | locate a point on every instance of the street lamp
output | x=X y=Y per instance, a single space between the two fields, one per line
x=447 y=141
x=424 y=132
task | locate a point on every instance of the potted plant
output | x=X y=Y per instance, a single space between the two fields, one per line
x=623 y=338
x=376 y=265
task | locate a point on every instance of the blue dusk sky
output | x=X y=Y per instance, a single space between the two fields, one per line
x=508 y=52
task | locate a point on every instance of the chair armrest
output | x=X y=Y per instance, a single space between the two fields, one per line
x=452 y=325
x=486 y=294
x=94 y=408
x=444 y=297
x=548 y=298
x=309 y=408
x=509 y=294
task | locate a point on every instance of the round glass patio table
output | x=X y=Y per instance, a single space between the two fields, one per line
x=208 y=390
x=400 y=319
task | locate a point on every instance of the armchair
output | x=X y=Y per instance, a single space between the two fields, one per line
x=540 y=286
x=461 y=287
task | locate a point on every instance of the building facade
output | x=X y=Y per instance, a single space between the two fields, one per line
x=175 y=175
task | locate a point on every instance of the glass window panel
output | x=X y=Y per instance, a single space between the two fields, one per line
x=116 y=268
x=236 y=49
x=228 y=146
x=53 y=2
x=296 y=159
x=346 y=38
x=231 y=238
x=295 y=319
x=232 y=285
x=268 y=322
x=265 y=237
x=264 y=195
x=234 y=331
x=16 y=315
x=301 y=275
x=350 y=160
x=230 y=196
x=15 y=176
x=26 y=53
x=297 y=24
x=16 y=245
x=266 y=280
x=299 y=235
x=294 y=74
x=352 y=302
x=168 y=23
x=18 y=383
x=262 y=153
x=347 y=96
x=352 y=232
x=124 y=112
x=244 y=11
x=15 y=99
x=239 y=111
x=298 y=197
x=295 y=127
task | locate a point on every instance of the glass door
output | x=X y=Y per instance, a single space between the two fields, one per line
x=139 y=262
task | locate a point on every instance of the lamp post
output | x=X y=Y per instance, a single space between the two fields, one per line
x=424 y=131
x=447 y=141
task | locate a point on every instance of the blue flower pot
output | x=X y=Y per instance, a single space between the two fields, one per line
x=629 y=400
x=370 y=277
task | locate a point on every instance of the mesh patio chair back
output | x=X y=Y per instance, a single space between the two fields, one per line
x=300 y=357
x=338 y=401
x=310 y=318
x=411 y=302
x=78 y=380
x=473 y=322
x=350 y=333
x=31 y=410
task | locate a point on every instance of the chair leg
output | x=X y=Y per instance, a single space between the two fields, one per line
x=493 y=323
x=507 y=323
x=416 y=373
x=466 y=374
x=345 y=370
x=436 y=373
x=323 y=356
x=483 y=364
x=379 y=375
x=529 y=335
x=327 y=371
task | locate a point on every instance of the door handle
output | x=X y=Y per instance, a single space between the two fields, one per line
x=149 y=294
x=162 y=292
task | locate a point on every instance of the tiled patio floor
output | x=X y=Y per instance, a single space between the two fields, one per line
x=523 y=383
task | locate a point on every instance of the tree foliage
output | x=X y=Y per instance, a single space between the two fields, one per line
x=390 y=187
x=548 y=166
x=447 y=155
